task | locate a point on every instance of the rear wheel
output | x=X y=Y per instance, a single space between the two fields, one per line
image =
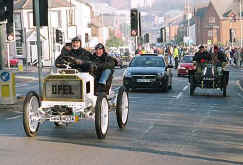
x=122 y=108
x=30 y=115
x=101 y=116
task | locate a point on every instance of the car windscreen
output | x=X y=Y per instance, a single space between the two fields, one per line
x=147 y=62
x=187 y=59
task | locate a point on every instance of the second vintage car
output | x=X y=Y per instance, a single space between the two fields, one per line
x=148 y=71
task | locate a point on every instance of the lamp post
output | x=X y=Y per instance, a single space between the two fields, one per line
x=240 y=24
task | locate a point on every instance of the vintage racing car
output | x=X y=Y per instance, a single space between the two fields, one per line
x=210 y=76
x=68 y=97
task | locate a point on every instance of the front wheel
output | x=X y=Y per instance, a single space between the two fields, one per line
x=101 y=116
x=122 y=108
x=30 y=115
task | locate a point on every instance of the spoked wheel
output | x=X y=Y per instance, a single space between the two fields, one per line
x=30 y=115
x=122 y=108
x=101 y=116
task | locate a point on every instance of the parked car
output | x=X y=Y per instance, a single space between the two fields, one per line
x=185 y=65
x=148 y=71
x=14 y=62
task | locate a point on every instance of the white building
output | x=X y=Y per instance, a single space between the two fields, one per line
x=70 y=18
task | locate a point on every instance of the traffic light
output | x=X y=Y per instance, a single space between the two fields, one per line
x=139 y=25
x=163 y=34
x=2 y=10
x=59 y=36
x=231 y=35
x=43 y=12
x=9 y=17
x=10 y=32
x=146 y=38
x=134 y=22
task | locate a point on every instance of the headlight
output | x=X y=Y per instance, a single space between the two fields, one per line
x=127 y=74
x=180 y=67
x=160 y=75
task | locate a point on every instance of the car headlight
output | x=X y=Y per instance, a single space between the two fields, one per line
x=160 y=75
x=181 y=67
x=127 y=74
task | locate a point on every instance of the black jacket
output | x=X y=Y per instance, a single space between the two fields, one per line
x=79 y=54
x=103 y=62
x=205 y=55
x=222 y=56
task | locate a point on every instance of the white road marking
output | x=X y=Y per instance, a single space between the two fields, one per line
x=19 y=112
x=179 y=95
x=14 y=117
x=26 y=85
x=132 y=97
x=240 y=95
x=238 y=84
x=26 y=77
x=115 y=89
x=185 y=88
x=148 y=129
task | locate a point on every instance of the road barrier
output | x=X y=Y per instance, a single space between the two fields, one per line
x=7 y=87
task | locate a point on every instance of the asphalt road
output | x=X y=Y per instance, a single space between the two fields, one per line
x=164 y=128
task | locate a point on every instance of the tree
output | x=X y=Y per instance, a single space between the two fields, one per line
x=114 y=42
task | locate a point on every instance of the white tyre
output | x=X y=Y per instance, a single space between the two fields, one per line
x=30 y=115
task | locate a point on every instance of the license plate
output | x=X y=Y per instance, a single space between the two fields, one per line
x=64 y=118
x=145 y=80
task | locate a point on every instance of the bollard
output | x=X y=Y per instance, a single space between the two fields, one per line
x=7 y=87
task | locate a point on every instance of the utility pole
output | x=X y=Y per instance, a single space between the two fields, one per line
x=240 y=23
x=37 y=18
x=1 y=46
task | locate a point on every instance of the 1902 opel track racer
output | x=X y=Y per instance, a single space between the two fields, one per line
x=210 y=76
x=69 y=96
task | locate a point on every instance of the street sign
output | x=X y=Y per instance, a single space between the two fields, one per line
x=5 y=76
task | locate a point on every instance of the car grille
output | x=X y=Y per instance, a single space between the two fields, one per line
x=61 y=89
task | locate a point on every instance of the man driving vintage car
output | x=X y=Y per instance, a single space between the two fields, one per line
x=201 y=57
x=77 y=56
x=99 y=64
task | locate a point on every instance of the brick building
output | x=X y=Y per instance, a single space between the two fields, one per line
x=217 y=22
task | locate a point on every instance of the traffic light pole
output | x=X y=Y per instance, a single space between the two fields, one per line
x=1 y=46
x=37 y=18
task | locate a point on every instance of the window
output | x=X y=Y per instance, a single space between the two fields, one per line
x=30 y=18
x=55 y=19
x=211 y=20
x=210 y=33
x=71 y=17
x=17 y=20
